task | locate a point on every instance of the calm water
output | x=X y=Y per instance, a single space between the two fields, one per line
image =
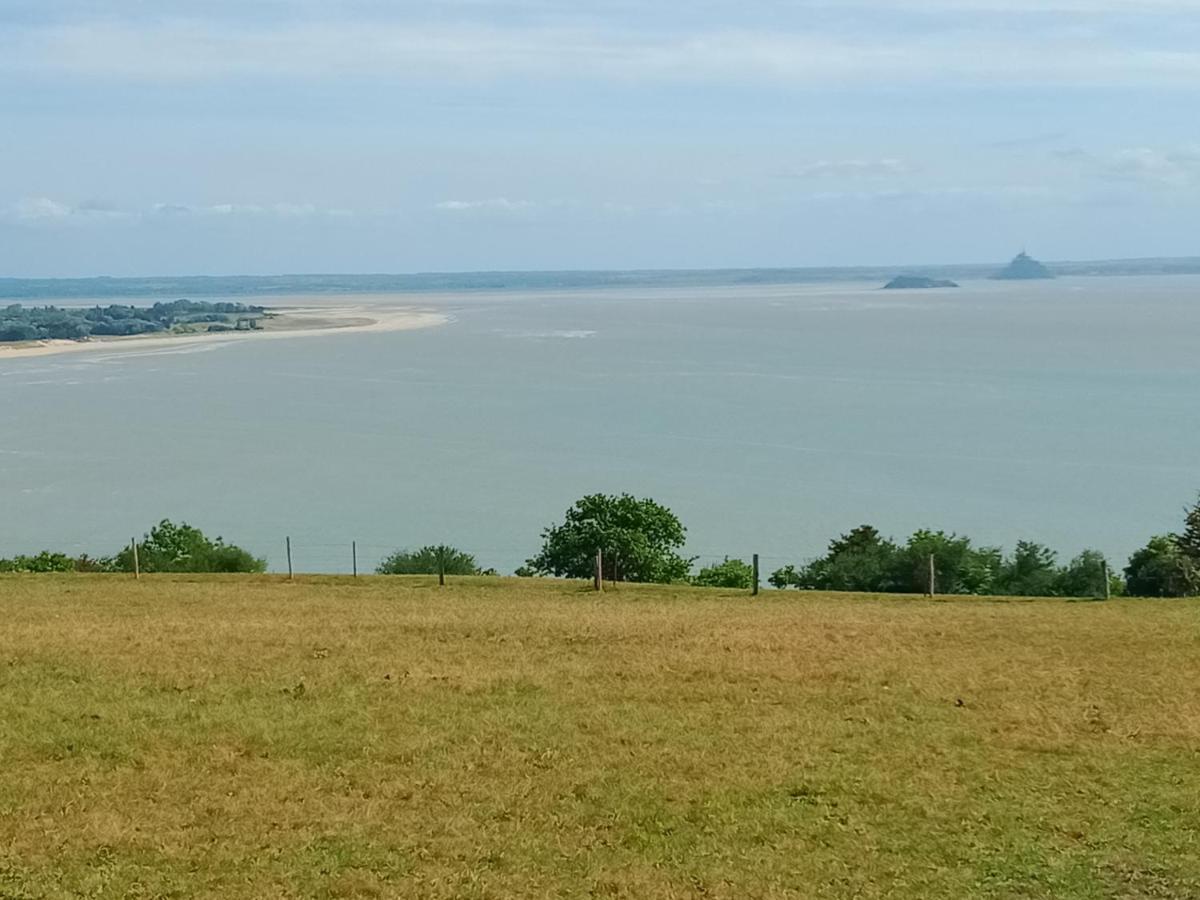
x=769 y=417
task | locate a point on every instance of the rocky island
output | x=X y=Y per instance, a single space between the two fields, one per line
x=913 y=282
x=1023 y=268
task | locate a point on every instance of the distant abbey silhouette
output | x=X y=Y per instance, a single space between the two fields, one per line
x=1023 y=268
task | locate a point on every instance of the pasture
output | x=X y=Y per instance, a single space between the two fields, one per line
x=242 y=736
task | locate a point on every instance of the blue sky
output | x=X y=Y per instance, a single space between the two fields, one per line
x=180 y=136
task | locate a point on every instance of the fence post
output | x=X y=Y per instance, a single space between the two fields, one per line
x=1107 y=583
x=598 y=581
x=932 y=576
x=291 y=577
x=754 y=587
x=441 y=566
x=137 y=569
x=354 y=557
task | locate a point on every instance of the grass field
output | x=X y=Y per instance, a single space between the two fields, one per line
x=247 y=737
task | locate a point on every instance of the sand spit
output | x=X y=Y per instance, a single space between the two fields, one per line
x=322 y=318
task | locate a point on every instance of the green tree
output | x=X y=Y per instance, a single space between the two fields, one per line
x=639 y=538
x=861 y=560
x=732 y=573
x=959 y=567
x=1162 y=569
x=1189 y=540
x=1084 y=577
x=787 y=577
x=429 y=560
x=1031 y=571
x=181 y=548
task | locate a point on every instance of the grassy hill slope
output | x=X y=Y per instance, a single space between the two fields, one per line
x=247 y=737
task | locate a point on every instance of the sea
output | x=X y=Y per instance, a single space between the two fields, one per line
x=771 y=414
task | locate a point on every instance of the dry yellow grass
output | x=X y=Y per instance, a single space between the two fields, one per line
x=246 y=737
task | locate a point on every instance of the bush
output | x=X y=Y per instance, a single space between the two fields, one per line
x=732 y=573
x=429 y=561
x=181 y=548
x=45 y=561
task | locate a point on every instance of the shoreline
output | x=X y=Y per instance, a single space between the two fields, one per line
x=285 y=322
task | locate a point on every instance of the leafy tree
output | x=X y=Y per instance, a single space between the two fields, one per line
x=181 y=548
x=1189 y=540
x=861 y=560
x=732 y=573
x=959 y=567
x=1030 y=572
x=788 y=576
x=1084 y=577
x=429 y=561
x=1162 y=569
x=639 y=539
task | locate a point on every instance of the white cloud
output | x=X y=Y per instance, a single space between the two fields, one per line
x=196 y=50
x=850 y=168
x=1175 y=168
x=46 y=210
x=497 y=203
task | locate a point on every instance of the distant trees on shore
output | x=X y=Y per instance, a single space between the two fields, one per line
x=34 y=323
x=640 y=540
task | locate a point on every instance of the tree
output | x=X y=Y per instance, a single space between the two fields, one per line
x=1189 y=540
x=639 y=539
x=959 y=567
x=732 y=573
x=1084 y=577
x=1030 y=572
x=861 y=560
x=181 y=548
x=788 y=576
x=1162 y=569
x=429 y=560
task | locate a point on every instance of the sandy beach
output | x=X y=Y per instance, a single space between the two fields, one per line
x=297 y=317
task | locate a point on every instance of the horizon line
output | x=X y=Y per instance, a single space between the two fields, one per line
x=597 y=271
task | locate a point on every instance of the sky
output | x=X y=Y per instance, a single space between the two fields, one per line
x=147 y=137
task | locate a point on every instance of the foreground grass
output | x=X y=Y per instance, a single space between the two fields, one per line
x=246 y=737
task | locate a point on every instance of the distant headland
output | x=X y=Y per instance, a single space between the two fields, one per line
x=1023 y=268
x=917 y=282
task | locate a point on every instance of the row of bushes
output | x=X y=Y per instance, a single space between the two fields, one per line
x=640 y=541
x=167 y=548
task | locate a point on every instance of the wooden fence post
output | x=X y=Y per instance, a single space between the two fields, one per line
x=1107 y=583
x=598 y=581
x=754 y=588
x=137 y=569
x=354 y=557
x=932 y=576
x=291 y=576
x=441 y=566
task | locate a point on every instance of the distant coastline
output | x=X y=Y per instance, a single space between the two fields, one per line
x=264 y=287
x=289 y=321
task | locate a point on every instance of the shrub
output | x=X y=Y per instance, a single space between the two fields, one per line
x=429 y=560
x=181 y=548
x=732 y=573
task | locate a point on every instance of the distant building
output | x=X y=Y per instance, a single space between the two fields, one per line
x=1023 y=268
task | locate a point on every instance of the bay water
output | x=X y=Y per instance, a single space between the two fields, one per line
x=770 y=417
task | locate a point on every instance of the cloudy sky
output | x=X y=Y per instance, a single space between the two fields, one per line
x=232 y=136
